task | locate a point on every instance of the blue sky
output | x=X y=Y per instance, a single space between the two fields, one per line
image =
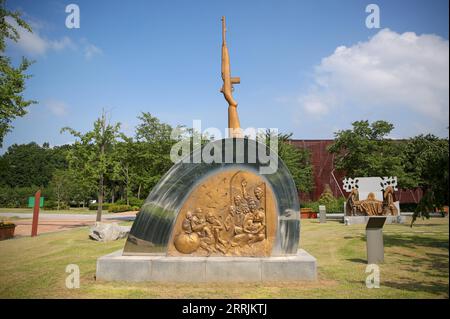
x=306 y=67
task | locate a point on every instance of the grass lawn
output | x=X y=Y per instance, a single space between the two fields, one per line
x=416 y=266
x=61 y=211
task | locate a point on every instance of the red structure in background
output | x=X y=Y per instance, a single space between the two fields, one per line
x=37 y=202
x=324 y=173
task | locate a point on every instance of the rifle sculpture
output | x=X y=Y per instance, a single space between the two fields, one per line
x=234 y=128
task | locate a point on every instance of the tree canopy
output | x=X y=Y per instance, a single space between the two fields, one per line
x=426 y=162
x=366 y=150
x=297 y=160
x=31 y=164
x=12 y=79
x=421 y=161
x=92 y=154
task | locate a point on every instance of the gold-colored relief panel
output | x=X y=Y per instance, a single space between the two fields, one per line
x=232 y=213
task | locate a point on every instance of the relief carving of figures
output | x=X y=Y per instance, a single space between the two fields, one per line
x=231 y=222
x=371 y=206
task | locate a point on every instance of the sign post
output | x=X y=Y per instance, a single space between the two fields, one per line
x=37 y=202
x=374 y=236
x=322 y=214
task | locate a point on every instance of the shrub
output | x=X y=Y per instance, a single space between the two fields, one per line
x=332 y=204
x=16 y=197
x=132 y=201
x=5 y=224
x=52 y=204
x=118 y=208
x=105 y=206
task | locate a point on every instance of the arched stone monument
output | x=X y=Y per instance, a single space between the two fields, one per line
x=232 y=219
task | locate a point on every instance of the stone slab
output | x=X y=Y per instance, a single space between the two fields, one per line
x=356 y=220
x=160 y=268
x=290 y=268
x=237 y=269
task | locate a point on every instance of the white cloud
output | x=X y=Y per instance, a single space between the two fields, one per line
x=390 y=70
x=59 y=45
x=91 y=50
x=56 y=107
x=34 y=44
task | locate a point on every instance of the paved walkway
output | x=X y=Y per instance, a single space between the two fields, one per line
x=90 y=217
x=58 y=222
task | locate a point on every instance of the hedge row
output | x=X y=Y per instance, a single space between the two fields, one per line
x=105 y=206
x=121 y=208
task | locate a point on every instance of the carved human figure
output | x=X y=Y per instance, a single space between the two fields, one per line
x=241 y=207
x=216 y=226
x=200 y=226
x=259 y=193
x=186 y=225
x=253 y=230
x=230 y=220
x=353 y=204
x=252 y=205
x=389 y=200
x=371 y=206
x=187 y=241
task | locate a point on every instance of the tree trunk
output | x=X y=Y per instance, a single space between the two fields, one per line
x=100 y=199
x=128 y=184
x=57 y=200
x=100 y=182
x=139 y=192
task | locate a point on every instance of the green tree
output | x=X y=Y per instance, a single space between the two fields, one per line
x=296 y=160
x=125 y=167
x=152 y=152
x=82 y=188
x=31 y=164
x=60 y=186
x=12 y=79
x=426 y=159
x=92 y=154
x=365 y=150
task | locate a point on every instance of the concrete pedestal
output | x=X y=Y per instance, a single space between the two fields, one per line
x=355 y=220
x=160 y=268
x=375 y=246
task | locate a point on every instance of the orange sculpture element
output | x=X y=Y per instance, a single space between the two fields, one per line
x=234 y=127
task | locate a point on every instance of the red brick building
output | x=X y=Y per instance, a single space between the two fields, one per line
x=325 y=173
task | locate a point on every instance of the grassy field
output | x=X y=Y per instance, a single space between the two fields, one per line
x=416 y=266
x=43 y=211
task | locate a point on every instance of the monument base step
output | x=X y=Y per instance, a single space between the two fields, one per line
x=355 y=220
x=160 y=268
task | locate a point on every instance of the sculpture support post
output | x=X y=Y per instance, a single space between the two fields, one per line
x=37 y=201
